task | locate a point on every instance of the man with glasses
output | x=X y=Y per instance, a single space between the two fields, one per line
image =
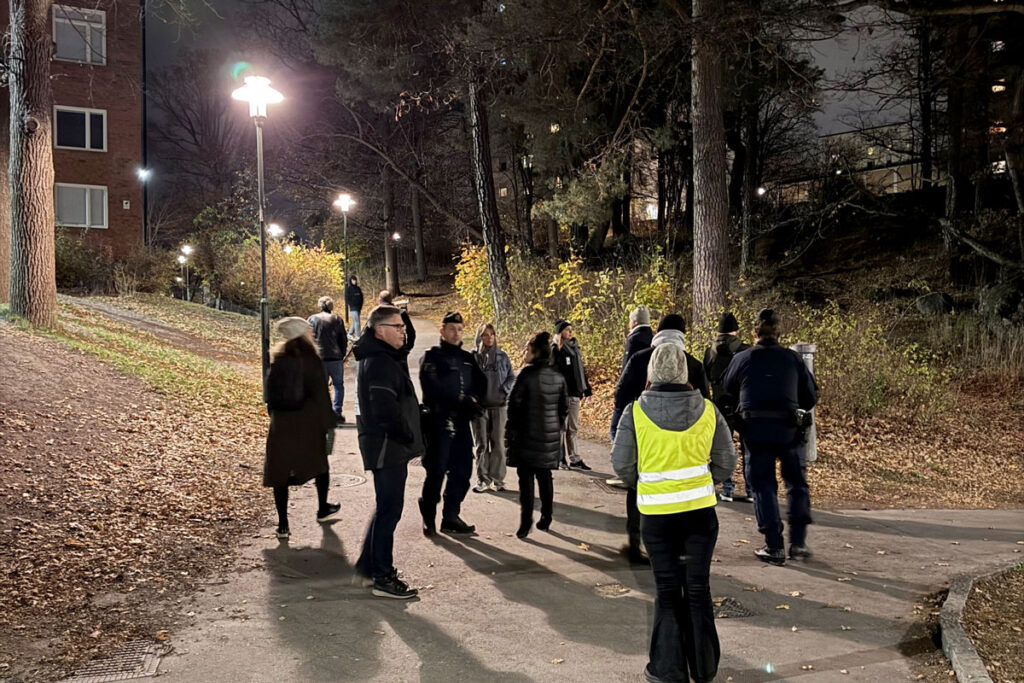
x=388 y=422
x=453 y=385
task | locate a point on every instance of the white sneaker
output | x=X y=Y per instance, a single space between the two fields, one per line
x=724 y=498
x=482 y=487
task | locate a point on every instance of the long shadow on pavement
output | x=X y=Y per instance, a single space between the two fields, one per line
x=338 y=634
x=913 y=529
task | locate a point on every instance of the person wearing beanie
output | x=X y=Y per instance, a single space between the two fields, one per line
x=632 y=382
x=489 y=428
x=453 y=388
x=567 y=359
x=330 y=337
x=716 y=359
x=769 y=383
x=301 y=421
x=673 y=445
x=639 y=336
x=537 y=407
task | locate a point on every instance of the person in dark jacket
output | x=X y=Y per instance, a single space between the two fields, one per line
x=537 y=407
x=771 y=382
x=567 y=359
x=716 y=360
x=384 y=298
x=452 y=385
x=300 y=420
x=632 y=382
x=388 y=422
x=640 y=334
x=354 y=302
x=489 y=428
x=330 y=337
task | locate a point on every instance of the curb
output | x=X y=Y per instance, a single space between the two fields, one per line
x=956 y=644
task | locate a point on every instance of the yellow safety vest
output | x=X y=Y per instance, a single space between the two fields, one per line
x=673 y=466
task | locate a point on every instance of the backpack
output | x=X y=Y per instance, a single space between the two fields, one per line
x=720 y=357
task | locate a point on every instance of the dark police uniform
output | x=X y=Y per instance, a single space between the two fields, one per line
x=453 y=385
x=771 y=382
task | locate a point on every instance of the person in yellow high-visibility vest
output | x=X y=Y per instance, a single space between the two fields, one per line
x=674 y=446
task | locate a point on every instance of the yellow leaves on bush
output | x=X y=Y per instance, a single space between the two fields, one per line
x=296 y=277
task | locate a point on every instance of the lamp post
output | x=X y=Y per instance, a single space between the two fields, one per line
x=186 y=251
x=183 y=260
x=345 y=202
x=144 y=174
x=275 y=230
x=258 y=93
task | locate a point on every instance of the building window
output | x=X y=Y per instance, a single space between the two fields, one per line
x=76 y=128
x=81 y=206
x=80 y=35
x=503 y=192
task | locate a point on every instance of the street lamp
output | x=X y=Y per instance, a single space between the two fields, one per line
x=396 y=236
x=345 y=202
x=183 y=260
x=258 y=93
x=144 y=174
x=275 y=230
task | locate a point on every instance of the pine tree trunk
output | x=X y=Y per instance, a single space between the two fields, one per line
x=710 y=179
x=752 y=145
x=390 y=257
x=33 y=284
x=417 y=227
x=5 y=203
x=552 y=240
x=483 y=182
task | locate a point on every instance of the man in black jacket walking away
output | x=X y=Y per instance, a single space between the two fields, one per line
x=771 y=382
x=329 y=334
x=716 y=360
x=388 y=420
x=453 y=385
x=354 y=301
x=567 y=359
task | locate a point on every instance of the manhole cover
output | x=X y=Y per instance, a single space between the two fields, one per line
x=347 y=480
x=138 y=659
x=606 y=487
x=612 y=590
x=730 y=608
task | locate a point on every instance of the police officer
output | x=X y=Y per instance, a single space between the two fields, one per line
x=771 y=382
x=453 y=385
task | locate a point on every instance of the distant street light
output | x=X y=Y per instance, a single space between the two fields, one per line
x=144 y=174
x=762 y=191
x=395 y=236
x=275 y=230
x=288 y=248
x=258 y=93
x=186 y=249
x=183 y=260
x=345 y=202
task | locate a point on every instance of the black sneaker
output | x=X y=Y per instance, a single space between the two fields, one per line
x=325 y=513
x=456 y=526
x=524 y=529
x=393 y=587
x=429 y=528
x=544 y=523
x=776 y=556
x=339 y=419
x=282 y=532
x=636 y=555
x=579 y=466
x=799 y=552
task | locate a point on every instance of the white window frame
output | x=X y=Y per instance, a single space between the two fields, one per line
x=95 y=18
x=88 y=130
x=88 y=206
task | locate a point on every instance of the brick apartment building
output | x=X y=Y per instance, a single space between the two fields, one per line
x=97 y=121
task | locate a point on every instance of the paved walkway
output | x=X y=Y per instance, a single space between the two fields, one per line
x=564 y=605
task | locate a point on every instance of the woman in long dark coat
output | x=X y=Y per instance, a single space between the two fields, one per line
x=301 y=421
x=537 y=408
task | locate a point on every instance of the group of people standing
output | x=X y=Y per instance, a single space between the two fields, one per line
x=672 y=433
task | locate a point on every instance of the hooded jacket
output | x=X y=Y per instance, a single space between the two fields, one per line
x=638 y=339
x=353 y=296
x=674 y=407
x=537 y=408
x=497 y=368
x=387 y=412
x=633 y=379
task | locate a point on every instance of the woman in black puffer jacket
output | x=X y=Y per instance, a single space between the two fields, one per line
x=537 y=408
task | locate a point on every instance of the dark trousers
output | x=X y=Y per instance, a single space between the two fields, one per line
x=545 y=486
x=684 y=641
x=762 y=485
x=632 y=518
x=451 y=455
x=377 y=559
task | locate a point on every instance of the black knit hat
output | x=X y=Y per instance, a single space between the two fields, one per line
x=452 y=317
x=727 y=323
x=560 y=325
x=672 y=321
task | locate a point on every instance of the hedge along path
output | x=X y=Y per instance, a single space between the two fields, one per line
x=118 y=491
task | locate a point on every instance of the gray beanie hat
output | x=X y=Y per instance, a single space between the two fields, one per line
x=641 y=315
x=292 y=328
x=668 y=365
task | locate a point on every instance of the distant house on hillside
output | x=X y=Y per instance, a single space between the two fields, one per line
x=97 y=121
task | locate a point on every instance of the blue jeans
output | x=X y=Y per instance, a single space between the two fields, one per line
x=761 y=484
x=377 y=559
x=335 y=369
x=353 y=329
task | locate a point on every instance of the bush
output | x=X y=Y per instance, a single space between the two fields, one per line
x=295 y=278
x=143 y=270
x=78 y=265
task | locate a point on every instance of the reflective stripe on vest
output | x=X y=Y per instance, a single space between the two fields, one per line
x=672 y=467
